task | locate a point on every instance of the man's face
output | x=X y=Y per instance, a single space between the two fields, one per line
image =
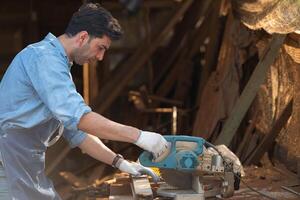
x=92 y=50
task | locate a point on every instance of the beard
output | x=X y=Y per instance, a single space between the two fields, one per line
x=81 y=55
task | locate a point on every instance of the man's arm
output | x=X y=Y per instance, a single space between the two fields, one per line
x=94 y=147
x=104 y=128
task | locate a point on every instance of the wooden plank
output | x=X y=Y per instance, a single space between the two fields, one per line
x=141 y=188
x=249 y=93
x=271 y=136
x=114 y=87
x=215 y=34
x=72 y=179
x=216 y=87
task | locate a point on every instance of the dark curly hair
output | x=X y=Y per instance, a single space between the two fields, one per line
x=96 y=20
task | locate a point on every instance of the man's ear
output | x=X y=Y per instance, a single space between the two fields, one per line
x=82 y=38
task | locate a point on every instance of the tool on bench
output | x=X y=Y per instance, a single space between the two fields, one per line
x=192 y=170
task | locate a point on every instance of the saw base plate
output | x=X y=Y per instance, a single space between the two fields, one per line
x=180 y=194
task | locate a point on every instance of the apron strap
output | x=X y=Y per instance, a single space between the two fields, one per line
x=56 y=138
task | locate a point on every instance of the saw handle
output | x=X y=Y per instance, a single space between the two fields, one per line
x=173 y=139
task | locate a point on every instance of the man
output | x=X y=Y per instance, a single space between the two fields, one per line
x=38 y=98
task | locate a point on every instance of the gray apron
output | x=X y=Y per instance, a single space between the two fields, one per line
x=23 y=159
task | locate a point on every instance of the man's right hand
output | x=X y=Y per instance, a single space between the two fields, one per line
x=136 y=169
x=152 y=142
x=130 y=167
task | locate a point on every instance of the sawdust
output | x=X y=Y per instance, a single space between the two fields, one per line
x=267 y=180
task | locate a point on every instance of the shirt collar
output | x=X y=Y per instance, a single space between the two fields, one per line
x=55 y=42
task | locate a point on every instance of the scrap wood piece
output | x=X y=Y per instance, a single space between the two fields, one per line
x=72 y=179
x=141 y=188
x=115 y=86
x=257 y=78
x=271 y=136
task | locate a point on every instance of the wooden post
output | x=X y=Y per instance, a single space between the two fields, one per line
x=86 y=83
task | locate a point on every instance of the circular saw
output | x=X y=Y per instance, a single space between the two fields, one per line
x=187 y=164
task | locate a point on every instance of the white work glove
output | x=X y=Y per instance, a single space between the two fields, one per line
x=135 y=169
x=152 y=142
x=132 y=168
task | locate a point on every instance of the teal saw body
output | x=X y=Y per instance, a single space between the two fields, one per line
x=183 y=154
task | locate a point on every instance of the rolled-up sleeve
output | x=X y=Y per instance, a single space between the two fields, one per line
x=50 y=76
x=74 y=138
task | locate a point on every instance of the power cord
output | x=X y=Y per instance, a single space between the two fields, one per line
x=238 y=177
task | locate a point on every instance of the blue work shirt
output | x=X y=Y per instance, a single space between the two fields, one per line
x=38 y=87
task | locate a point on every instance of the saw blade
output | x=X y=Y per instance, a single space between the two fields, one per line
x=179 y=179
x=176 y=178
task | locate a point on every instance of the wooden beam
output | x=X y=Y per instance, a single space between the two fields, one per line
x=250 y=91
x=197 y=10
x=187 y=49
x=271 y=136
x=114 y=87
